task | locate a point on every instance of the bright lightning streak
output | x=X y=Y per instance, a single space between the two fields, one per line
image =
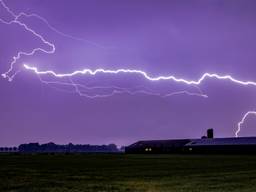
x=240 y=123
x=142 y=73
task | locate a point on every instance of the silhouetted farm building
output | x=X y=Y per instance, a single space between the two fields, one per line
x=157 y=146
x=205 y=145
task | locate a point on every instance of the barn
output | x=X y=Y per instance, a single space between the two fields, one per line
x=206 y=145
x=158 y=146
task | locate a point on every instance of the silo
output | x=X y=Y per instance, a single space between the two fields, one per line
x=209 y=133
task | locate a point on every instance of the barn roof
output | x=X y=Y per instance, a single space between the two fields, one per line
x=223 y=141
x=161 y=143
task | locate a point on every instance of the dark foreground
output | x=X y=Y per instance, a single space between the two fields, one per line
x=119 y=172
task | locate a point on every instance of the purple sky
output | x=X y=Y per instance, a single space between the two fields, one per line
x=185 y=38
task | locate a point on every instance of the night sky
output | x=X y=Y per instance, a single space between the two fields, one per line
x=184 y=38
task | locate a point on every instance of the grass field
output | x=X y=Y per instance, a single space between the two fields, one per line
x=120 y=172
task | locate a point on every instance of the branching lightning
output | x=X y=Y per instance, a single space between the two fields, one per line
x=56 y=30
x=21 y=53
x=85 y=91
x=9 y=74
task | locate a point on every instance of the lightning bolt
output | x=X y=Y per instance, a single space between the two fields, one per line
x=21 y=53
x=240 y=123
x=142 y=73
x=82 y=90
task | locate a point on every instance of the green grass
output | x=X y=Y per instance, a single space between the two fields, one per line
x=130 y=173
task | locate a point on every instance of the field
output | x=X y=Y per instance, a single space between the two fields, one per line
x=120 y=172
